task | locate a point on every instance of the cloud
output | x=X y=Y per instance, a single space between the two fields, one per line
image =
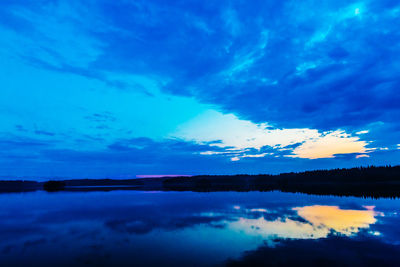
x=101 y=117
x=362 y=132
x=51 y=33
x=232 y=22
x=40 y=132
x=328 y=55
x=285 y=79
x=329 y=144
x=42 y=157
x=246 y=139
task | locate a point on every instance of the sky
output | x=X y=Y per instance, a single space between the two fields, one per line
x=101 y=88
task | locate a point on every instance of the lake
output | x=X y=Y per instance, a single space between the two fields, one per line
x=134 y=228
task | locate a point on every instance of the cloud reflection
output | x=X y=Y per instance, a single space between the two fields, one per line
x=346 y=222
x=314 y=222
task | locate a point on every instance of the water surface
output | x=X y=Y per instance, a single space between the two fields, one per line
x=128 y=228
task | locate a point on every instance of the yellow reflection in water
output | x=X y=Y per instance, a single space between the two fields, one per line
x=346 y=222
x=320 y=221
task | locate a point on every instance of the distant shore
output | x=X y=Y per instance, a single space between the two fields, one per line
x=365 y=182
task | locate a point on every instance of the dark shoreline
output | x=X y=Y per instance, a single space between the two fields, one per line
x=361 y=182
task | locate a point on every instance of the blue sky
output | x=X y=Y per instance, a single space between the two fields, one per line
x=123 y=88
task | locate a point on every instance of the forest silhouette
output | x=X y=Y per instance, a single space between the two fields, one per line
x=368 y=181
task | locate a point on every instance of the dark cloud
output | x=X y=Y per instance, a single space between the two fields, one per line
x=20 y=128
x=39 y=132
x=292 y=64
x=101 y=117
x=139 y=151
x=18 y=143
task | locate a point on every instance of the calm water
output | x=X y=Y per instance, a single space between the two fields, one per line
x=131 y=228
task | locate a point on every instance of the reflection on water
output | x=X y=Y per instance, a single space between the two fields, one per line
x=317 y=222
x=197 y=229
x=342 y=221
